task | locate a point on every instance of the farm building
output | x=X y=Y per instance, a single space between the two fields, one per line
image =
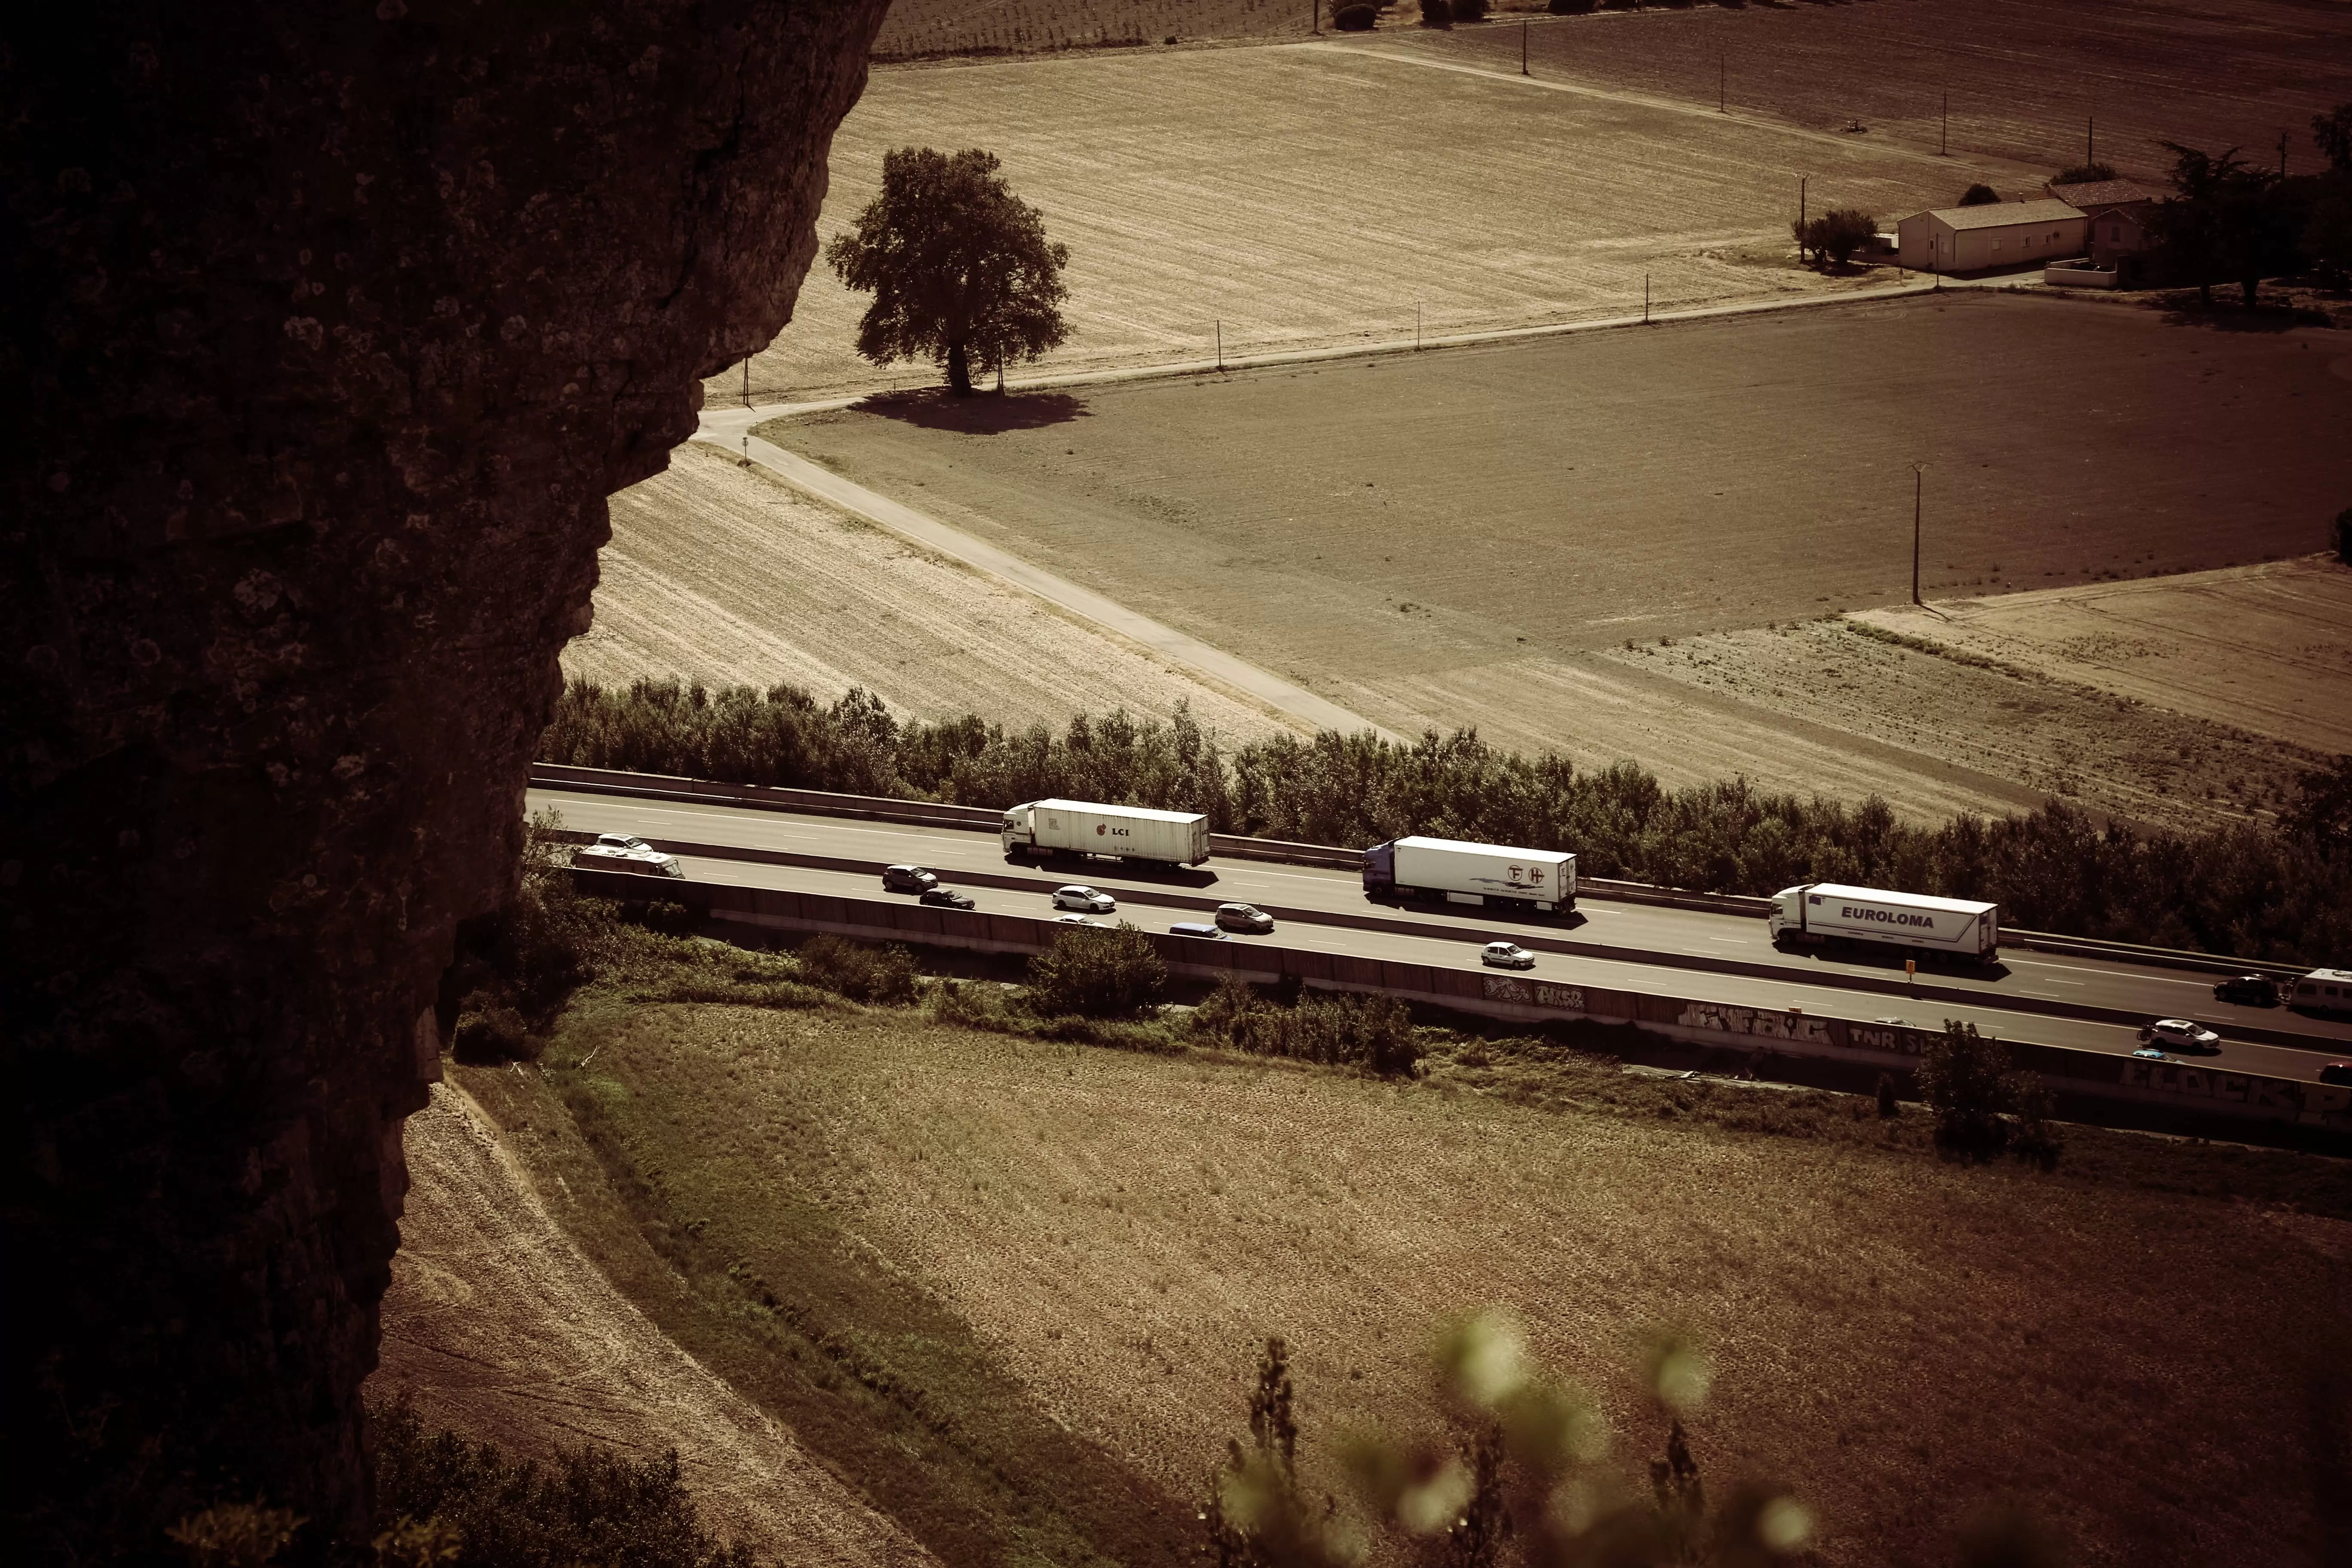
x=2118 y=213
x=1998 y=234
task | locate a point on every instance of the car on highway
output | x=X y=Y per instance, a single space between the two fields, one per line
x=1087 y=900
x=2180 y=1035
x=626 y=852
x=2152 y=1053
x=2247 y=990
x=2337 y=1072
x=1245 y=916
x=1201 y=929
x=1077 y=920
x=908 y=880
x=945 y=898
x=1507 y=955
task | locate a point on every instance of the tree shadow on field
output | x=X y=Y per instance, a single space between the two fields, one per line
x=2182 y=309
x=982 y=414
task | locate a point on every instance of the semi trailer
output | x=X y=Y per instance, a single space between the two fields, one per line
x=1459 y=873
x=1122 y=832
x=1823 y=912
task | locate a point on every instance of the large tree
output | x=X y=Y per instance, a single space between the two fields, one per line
x=2227 y=220
x=959 y=268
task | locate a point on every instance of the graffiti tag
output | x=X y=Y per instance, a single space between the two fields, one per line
x=1751 y=1021
x=1533 y=994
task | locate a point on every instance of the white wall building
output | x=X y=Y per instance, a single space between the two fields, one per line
x=1997 y=234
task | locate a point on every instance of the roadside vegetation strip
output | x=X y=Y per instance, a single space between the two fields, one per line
x=786 y=1190
x=2282 y=894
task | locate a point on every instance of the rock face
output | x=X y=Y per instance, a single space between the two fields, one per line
x=329 y=328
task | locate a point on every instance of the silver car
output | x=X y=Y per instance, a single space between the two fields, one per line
x=1507 y=955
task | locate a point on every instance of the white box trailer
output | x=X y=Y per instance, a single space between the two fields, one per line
x=1126 y=832
x=1827 y=911
x=1541 y=880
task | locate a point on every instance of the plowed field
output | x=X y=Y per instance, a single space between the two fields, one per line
x=1455 y=538
x=1289 y=197
x=720 y=573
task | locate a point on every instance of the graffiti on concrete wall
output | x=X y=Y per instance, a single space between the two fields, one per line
x=1897 y=1039
x=1535 y=994
x=1753 y=1021
x=2236 y=1088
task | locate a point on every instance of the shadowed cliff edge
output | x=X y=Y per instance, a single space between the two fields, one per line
x=328 y=333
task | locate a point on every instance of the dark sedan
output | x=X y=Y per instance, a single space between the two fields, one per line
x=2251 y=990
x=945 y=898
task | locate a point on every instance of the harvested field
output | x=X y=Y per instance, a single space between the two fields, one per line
x=921 y=28
x=720 y=573
x=2121 y=756
x=1897 y=1336
x=1307 y=195
x=1450 y=538
x=496 y=1327
x=2024 y=76
x=2266 y=649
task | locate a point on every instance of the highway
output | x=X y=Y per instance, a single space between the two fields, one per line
x=2089 y=1003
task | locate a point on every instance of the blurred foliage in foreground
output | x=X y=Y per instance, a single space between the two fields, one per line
x=2279 y=891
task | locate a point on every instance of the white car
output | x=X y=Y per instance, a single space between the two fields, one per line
x=626 y=852
x=2180 y=1035
x=1507 y=955
x=1076 y=920
x=1086 y=900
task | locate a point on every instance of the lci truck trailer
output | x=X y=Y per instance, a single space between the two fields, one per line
x=1542 y=880
x=1824 y=912
x=1126 y=832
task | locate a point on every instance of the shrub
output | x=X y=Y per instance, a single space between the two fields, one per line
x=1375 y=1033
x=1888 y=1105
x=1098 y=973
x=1469 y=10
x=1839 y=233
x=1355 y=18
x=1436 y=12
x=860 y=973
x=2344 y=536
x=590 y=1506
x=492 y=1034
x=1979 y=196
x=2085 y=174
x=1982 y=1104
x=1567 y=7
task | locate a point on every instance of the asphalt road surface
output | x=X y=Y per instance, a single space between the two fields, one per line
x=2045 y=998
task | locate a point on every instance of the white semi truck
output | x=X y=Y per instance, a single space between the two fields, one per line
x=1825 y=912
x=1125 y=832
x=1540 y=879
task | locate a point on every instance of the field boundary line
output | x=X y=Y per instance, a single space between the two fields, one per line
x=1646 y=100
x=726 y=426
x=1179 y=649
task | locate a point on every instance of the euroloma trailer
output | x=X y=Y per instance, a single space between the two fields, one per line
x=1122 y=832
x=1825 y=912
x=1541 y=880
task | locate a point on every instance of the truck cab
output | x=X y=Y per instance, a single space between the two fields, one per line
x=1019 y=831
x=1787 y=913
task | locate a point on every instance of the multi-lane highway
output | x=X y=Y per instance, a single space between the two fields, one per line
x=2088 y=1003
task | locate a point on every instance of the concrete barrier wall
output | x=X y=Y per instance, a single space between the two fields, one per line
x=1517 y=998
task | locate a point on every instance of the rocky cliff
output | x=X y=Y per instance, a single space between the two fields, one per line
x=329 y=328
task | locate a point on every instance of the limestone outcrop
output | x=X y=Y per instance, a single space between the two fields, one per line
x=329 y=328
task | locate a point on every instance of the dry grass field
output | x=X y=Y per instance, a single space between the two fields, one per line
x=2024 y=76
x=2129 y=756
x=1308 y=196
x=2266 y=649
x=721 y=573
x=1457 y=538
x=1898 y=1337
x=496 y=1327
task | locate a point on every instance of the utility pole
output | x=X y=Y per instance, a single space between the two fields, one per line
x=1918 y=483
x=1645 y=298
x=1315 y=16
x=1416 y=328
x=1722 y=84
x=1221 y=345
x=1944 y=143
x=747 y=364
x=1800 y=217
x=1523 y=48
x=2090 y=138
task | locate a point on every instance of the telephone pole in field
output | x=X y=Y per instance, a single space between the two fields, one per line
x=1918 y=485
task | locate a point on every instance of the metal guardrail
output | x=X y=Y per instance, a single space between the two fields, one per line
x=973 y=818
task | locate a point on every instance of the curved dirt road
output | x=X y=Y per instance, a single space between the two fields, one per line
x=503 y=1330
